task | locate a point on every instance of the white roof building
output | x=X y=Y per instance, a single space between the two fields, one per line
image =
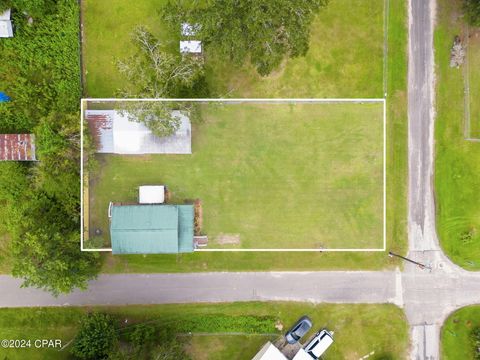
x=269 y=352
x=6 y=28
x=114 y=133
x=190 y=47
x=302 y=355
x=151 y=194
x=190 y=29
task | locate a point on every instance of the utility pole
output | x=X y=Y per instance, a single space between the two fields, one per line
x=420 y=265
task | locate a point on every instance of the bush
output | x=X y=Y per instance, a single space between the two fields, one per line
x=97 y=337
x=142 y=334
x=472 y=10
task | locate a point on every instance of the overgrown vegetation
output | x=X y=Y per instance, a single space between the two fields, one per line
x=41 y=73
x=472 y=10
x=154 y=72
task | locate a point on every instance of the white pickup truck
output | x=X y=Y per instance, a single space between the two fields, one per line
x=316 y=347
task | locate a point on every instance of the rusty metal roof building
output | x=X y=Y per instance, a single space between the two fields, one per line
x=17 y=147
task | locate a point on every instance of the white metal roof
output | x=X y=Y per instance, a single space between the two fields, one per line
x=191 y=46
x=6 y=28
x=189 y=29
x=269 y=352
x=302 y=355
x=115 y=133
x=5 y=15
x=151 y=194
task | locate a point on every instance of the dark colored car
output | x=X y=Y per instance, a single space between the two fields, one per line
x=298 y=330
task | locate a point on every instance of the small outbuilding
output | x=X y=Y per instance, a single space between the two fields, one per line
x=114 y=133
x=189 y=29
x=6 y=27
x=191 y=47
x=151 y=194
x=151 y=229
x=269 y=352
x=17 y=147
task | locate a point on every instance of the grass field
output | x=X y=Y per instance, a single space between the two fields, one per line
x=345 y=57
x=474 y=81
x=268 y=175
x=457 y=166
x=359 y=329
x=396 y=195
x=455 y=337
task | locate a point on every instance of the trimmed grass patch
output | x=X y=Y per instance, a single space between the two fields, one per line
x=383 y=328
x=345 y=57
x=268 y=175
x=457 y=166
x=456 y=333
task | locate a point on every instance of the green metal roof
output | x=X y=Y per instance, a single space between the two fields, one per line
x=151 y=229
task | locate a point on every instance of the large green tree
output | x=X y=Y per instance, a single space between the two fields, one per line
x=472 y=10
x=265 y=32
x=45 y=248
x=154 y=72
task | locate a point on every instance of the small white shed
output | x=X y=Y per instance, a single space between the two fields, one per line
x=190 y=29
x=151 y=194
x=6 y=28
x=190 y=47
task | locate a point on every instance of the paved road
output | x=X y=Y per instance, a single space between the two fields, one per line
x=421 y=219
x=335 y=287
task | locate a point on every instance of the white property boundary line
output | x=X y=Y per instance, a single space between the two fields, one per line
x=243 y=100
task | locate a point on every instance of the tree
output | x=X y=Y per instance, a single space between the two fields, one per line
x=58 y=148
x=153 y=72
x=97 y=337
x=46 y=251
x=265 y=32
x=472 y=10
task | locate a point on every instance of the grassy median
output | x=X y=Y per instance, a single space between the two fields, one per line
x=457 y=165
x=221 y=331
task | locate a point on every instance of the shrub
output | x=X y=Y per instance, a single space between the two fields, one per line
x=475 y=337
x=97 y=337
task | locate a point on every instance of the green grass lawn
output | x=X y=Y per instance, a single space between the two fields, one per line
x=345 y=57
x=268 y=175
x=474 y=81
x=396 y=195
x=455 y=336
x=457 y=166
x=359 y=329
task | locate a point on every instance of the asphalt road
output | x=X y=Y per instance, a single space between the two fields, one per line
x=334 y=287
x=421 y=210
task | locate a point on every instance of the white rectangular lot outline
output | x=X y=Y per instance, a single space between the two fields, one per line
x=257 y=100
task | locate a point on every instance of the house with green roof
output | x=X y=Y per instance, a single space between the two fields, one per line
x=152 y=229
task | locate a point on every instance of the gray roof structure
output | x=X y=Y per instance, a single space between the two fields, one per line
x=114 y=133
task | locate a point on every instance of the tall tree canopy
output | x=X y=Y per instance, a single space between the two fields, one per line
x=40 y=201
x=472 y=10
x=154 y=72
x=265 y=32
